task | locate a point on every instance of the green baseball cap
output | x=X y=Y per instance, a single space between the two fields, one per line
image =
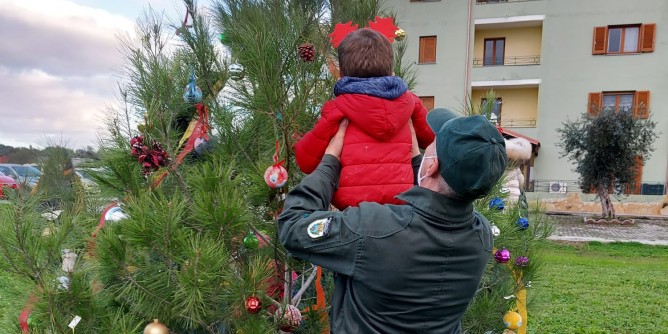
x=471 y=152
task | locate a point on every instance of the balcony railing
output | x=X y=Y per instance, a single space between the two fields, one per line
x=485 y=2
x=570 y=186
x=518 y=122
x=507 y=61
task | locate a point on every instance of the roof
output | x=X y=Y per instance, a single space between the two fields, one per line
x=535 y=144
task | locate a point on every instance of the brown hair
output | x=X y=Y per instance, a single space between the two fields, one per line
x=365 y=53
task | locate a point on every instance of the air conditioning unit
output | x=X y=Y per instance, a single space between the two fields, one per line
x=557 y=187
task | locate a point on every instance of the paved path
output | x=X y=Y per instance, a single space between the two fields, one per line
x=646 y=231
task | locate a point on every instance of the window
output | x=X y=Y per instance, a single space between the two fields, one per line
x=622 y=39
x=427 y=49
x=428 y=102
x=495 y=115
x=494 y=51
x=636 y=103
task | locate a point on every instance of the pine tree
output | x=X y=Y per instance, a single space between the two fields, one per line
x=193 y=239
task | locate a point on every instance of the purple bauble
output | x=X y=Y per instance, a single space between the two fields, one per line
x=522 y=261
x=502 y=255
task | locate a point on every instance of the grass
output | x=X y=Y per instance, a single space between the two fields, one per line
x=596 y=288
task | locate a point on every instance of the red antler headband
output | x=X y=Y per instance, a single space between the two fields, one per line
x=385 y=26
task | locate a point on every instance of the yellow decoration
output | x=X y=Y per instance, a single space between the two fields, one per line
x=522 y=309
x=399 y=34
x=513 y=320
x=508 y=331
x=156 y=328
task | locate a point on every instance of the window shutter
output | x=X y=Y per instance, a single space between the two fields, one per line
x=647 y=32
x=641 y=100
x=600 y=35
x=428 y=102
x=635 y=186
x=427 y=49
x=594 y=105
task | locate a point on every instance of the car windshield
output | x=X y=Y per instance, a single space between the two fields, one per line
x=27 y=171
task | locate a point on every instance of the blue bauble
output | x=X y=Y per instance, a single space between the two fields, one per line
x=522 y=223
x=497 y=203
x=192 y=93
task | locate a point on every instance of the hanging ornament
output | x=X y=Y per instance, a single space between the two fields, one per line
x=289 y=319
x=399 y=34
x=522 y=223
x=156 y=328
x=522 y=261
x=63 y=283
x=69 y=259
x=512 y=320
x=508 y=331
x=497 y=203
x=496 y=231
x=253 y=304
x=306 y=52
x=276 y=176
x=221 y=37
x=202 y=146
x=192 y=93
x=502 y=255
x=236 y=71
x=115 y=214
x=250 y=241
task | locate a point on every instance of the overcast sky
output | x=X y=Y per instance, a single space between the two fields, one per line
x=59 y=66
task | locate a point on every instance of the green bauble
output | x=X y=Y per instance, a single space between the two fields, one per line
x=221 y=37
x=250 y=241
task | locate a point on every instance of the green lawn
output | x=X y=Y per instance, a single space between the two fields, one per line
x=596 y=288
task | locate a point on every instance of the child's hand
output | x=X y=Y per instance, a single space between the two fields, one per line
x=336 y=143
x=415 y=149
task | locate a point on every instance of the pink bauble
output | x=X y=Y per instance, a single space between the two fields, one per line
x=289 y=319
x=276 y=176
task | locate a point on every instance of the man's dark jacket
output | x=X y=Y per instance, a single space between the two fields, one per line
x=400 y=268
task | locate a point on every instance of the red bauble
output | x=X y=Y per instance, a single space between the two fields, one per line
x=306 y=52
x=289 y=319
x=253 y=304
x=276 y=176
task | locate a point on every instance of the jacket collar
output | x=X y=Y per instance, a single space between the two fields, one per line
x=388 y=87
x=456 y=213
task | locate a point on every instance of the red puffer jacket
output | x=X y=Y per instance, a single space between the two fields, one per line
x=376 y=157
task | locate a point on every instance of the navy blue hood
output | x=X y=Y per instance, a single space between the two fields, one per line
x=388 y=87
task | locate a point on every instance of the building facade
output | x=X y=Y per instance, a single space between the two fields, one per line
x=548 y=61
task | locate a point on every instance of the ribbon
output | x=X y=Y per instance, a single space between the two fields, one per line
x=320 y=304
x=197 y=128
x=276 y=162
x=100 y=225
x=25 y=313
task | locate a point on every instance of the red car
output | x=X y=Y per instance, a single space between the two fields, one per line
x=6 y=181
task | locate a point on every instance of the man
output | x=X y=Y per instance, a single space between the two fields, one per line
x=403 y=268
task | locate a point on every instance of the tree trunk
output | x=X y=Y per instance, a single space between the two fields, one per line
x=607 y=210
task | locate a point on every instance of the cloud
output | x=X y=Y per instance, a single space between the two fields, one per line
x=57 y=70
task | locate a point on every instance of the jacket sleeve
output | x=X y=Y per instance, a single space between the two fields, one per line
x=423 y=132
x=310 y=149
x=310 y=232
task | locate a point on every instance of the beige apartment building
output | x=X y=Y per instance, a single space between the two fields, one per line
x=548 y=61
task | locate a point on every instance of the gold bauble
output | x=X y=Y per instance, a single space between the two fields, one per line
x=156 y=328
x=399 y=34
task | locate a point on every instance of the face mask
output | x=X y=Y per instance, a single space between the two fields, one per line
x=420 y=177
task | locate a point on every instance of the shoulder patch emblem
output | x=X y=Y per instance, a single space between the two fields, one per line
x=319 y=228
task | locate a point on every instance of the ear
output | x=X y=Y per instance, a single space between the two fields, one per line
x=432 y=167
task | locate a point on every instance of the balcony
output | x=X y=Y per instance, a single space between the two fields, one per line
x=515 y=106
x=507 y=61
x=505 y=51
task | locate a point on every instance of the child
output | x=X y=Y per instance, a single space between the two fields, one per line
x=376 y=157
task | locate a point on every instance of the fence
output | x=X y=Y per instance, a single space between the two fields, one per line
x=569 y=186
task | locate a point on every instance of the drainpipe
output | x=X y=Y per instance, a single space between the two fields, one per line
x=468 y=52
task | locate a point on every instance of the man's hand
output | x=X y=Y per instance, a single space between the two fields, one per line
x=336 y=143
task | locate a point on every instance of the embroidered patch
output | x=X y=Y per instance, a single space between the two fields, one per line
x=319 y=228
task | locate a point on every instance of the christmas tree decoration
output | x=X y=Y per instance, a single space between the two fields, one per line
x=399 y=34
x=508 y=331
x=306 y=52
x=276 y=176
x=289 y=319
x=115 y=214
x=237 y=71
x=502 y=255
x=202 y=146
x=522 y=261
x=69 y=259
x=251 y=241
x=63 y=283
x=522 y=223
x=512 y=320
x=150 y=158
x=497 y=203
x=221 y=37
x=156 y=328
x=496 y=231
x=253 y=304
x=192 y=93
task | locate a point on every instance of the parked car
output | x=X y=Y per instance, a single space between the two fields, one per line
x=26 y=175
x=6 y=181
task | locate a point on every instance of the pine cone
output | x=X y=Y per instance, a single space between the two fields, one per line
x=306 y=52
